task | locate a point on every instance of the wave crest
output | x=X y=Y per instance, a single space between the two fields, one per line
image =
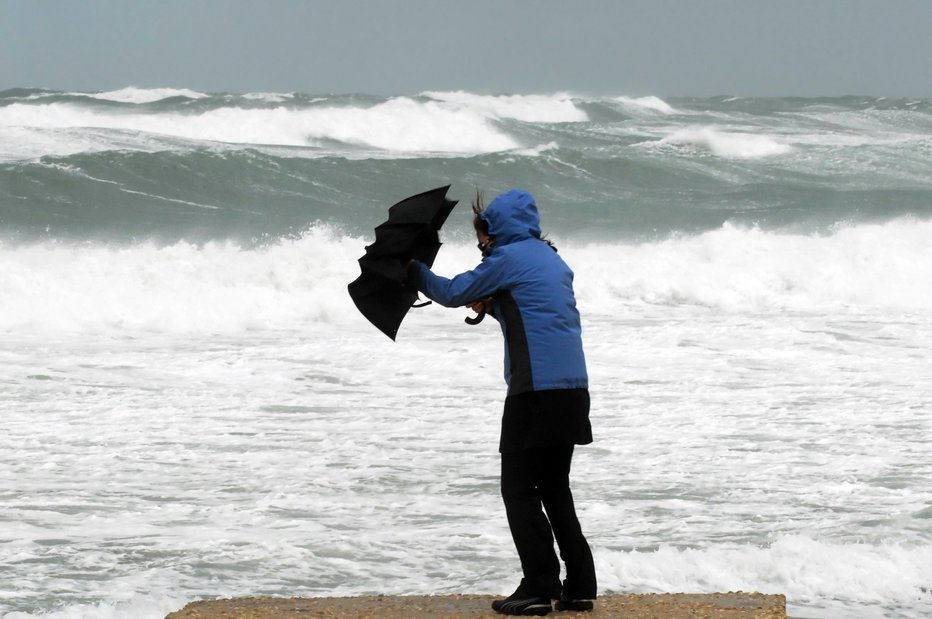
x=131 y=94
x=728 y=144
x=834 y=577
x=556 y=108
x=651 y=103
x=399 y=125
x=867 y=267
x=295 y=283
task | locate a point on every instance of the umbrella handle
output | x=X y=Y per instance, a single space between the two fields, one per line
x=476 y=320
x=424 y=304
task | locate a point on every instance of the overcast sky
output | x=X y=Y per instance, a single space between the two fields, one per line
x=630 y=47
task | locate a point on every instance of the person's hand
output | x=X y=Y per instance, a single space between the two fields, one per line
x=481 y=306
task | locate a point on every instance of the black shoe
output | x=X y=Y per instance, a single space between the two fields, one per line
x=519 y=603
x=577 y=605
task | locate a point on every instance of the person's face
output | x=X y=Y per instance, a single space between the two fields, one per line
x=484 y=243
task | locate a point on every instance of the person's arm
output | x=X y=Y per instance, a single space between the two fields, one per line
x=465 y=288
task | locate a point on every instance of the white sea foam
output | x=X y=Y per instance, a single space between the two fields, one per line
x=195 y=421
x=185 y=421
x=221 y=287
x=819 y=578
x=271 y=97
x=132 y=94
x=654 y=104
x=136 y=607
x=399 y=125
x=180 y=288
x=538 y=150
x=778 y=453
x=728 y=143
x=454 y=123
x=555 y=108
x=858 y=268
x=811 y=573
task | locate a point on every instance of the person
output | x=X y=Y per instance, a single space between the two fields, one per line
x=525 y=285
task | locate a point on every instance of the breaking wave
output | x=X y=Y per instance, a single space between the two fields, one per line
x=557 y=108
x=866 y=267
x=651 y=103
x=224 y=287
x=826 y=577
x=728 y=143
x=401 y=125
x=132 y=94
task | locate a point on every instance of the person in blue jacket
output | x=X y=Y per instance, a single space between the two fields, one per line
x=524 y=284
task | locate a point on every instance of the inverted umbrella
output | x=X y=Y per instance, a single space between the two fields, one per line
x=381 y=292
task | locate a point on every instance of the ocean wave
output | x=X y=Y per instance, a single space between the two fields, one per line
x=400 y=125
x=728 y=143
x=272 y=97
x=835 y=577
x=128 y=606
x=132 y=94
x=651 y=103
x=456 y=123
x=858 y=268
x=555 y=108
x=180 y=288
x=223 y=287
x=275 y=162
x=26 y=143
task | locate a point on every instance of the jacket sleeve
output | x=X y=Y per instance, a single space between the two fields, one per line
x=465 y=287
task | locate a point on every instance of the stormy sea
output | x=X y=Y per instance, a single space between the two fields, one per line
x=192 y=407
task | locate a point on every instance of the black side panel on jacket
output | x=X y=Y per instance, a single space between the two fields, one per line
x=519 y=355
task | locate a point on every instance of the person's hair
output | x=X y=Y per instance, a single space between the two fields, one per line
x=478 y=205
x=482 y=226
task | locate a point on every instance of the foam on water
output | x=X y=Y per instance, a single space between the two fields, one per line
x=189 y=419
x=273 y=97
x=226 y=288
x=454 y=122
x=779 y=452
x=650 y=103
x=132 y=94
x=401 y=125
x=135 y=607
x=436 y=122
x=727 y=143
x=819 y=578
x=555 y=108
x=734 y=269
x=178 y=288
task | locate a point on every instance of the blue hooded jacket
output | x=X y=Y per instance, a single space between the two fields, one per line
x=532 y=289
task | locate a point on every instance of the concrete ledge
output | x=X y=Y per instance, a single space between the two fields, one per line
x=735 y=605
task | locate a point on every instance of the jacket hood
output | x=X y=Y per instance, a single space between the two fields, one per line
x=512 y=216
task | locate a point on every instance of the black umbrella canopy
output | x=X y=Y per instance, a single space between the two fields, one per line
x=380 y=292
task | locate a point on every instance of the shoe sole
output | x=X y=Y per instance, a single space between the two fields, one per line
x=522 y=608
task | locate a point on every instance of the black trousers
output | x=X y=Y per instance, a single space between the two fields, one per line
x=534 y=480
